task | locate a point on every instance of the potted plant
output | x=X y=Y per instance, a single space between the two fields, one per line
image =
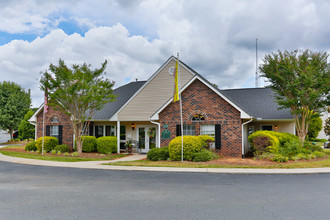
x=129 y=145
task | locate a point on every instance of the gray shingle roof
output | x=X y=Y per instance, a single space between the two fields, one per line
x=257 y=102
x=124 y=93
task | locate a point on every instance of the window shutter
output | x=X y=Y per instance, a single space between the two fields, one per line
x=217 y=136
x=47 y=130
x=60 y=134
x=96 y=131
x=91 y=129
x=178 y=130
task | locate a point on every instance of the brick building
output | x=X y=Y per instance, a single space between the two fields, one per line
x=144 y=111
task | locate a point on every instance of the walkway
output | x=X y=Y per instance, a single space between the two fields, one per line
x=133 y=157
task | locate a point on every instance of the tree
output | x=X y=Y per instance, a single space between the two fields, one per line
x=301 y=82
x=14 y=103
x=78 y=92
x=314 y=128
x=26 y=129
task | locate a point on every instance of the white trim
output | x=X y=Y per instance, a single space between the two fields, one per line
x=34 y=116
x=118 y=137
x=155 y=116
x=247 y=122
x=115 y=116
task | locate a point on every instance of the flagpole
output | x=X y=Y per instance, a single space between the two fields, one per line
x=179 y=82
x=43 y=131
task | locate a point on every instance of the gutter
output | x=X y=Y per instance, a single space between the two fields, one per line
x=158 y=131
x=243 y=156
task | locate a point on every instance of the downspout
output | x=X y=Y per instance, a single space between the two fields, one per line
x=243 y=136
x=158 y=131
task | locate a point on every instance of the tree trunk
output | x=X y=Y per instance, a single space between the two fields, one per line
x=11 y=134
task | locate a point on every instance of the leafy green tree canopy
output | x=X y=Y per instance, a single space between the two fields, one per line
x=315 y=126
x=78 y=92
x=301 y=82
x=14 y=103
x=26 y=129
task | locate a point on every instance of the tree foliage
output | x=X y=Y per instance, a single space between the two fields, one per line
x=78 y=92
x=14 y=103
x=26 y=129
x=314 y=128
x=301 y=82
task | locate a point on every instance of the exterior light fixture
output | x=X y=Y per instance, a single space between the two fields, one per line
x=276 y=127
x=133 y=126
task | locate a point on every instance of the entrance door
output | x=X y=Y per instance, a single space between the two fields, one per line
x=147 y=137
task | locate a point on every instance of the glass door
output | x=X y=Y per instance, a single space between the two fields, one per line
x=147 y=138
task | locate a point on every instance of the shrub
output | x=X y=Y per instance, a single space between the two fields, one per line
x=205 y=140
x=284 y=137
x=31 y=146
x=318 y=154
x=312 y=147
x=314 y=128
x=62 y=148
x=106 y=145
x=156 y=154
x=191 y=145
x=279 y=158
x=89 y=144
x=203 y=156
x=49 y=144
x=263 y=141
x=53 y=152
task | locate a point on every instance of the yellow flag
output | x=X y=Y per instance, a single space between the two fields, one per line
x=176 y=82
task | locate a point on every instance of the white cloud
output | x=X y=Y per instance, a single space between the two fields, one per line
x=216 y=38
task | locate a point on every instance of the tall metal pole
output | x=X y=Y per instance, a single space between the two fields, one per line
x=257 y=76
x=180 y=106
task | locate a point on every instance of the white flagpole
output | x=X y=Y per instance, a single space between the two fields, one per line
x=43 y=130
x=179 y=82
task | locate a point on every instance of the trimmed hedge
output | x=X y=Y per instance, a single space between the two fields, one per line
x=191 y=145
x=89 y=144
x=203 y=156
x=157 y=154
x=62 y=148
x=263 y=141
x=106 y=145
x=31 y=146
x=205 y=140
x=49 y=144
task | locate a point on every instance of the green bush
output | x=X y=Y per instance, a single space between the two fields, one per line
x=205 y=140
x=279 y=158
x=284 y=137
x=157 y=154
x=191 y=145
x=49 y=144
x=203 y=156
x=314 y=128
x=263 y=141
x=89 y=144
x=31 y=146
x=106 y=145
x=62 y=148
x=312 y=147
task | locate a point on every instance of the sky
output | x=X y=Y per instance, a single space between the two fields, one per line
x=217 y=38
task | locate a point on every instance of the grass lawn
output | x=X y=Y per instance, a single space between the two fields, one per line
x=61 y=158
x=289 y=165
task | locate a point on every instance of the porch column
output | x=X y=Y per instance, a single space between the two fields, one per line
x=118 y=137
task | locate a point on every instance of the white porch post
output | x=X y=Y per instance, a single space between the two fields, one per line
x=118 y=137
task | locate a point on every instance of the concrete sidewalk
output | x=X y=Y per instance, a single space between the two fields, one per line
x=98 y=165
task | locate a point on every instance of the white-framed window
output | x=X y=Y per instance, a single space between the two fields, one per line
x=54 y=119
x=54 y=131
x=188 y=129
x=99 y=131
x=208 y=130
x=266 y=127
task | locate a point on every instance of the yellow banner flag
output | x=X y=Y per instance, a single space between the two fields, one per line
x=176 y=82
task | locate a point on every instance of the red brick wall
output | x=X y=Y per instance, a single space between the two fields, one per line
x=198 y=98
x=64 y=120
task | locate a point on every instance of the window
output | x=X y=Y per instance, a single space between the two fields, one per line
x=54 y=119
x=208 y=130
x=110 y=130
x=267 y=127
x=99 y=131
x=54 y=131
x=198 y=117
x=188 y=129
x=122 y=132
